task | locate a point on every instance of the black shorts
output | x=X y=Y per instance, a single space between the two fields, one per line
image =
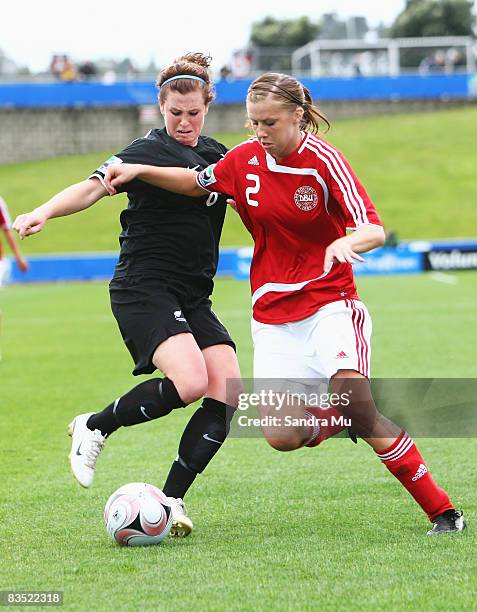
x=148 y=312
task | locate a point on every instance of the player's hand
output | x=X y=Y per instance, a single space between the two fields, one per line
x=23 y=264
x=232 y=203
x=341 y=251
x=119 y=174
x=29 y=223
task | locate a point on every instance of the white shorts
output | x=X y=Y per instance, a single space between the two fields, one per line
x=336 y=337
x=5 y=269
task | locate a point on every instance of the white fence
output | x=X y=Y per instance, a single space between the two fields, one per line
x=386 y=56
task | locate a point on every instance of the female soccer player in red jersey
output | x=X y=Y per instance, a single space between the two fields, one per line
x=298 y=196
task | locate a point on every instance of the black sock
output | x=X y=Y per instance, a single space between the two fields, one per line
x=203 y=436
x=149 y=400
x=178 y=480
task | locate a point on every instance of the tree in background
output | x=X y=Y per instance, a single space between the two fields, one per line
x=271 y=32
x=434 y=18
x=272 y=40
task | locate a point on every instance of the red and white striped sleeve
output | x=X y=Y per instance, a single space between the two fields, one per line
x=345 y=186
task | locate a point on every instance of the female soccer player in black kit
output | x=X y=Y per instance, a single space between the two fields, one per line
x=161 y=287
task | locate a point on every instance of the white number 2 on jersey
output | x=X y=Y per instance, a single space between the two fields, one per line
x=252 y=190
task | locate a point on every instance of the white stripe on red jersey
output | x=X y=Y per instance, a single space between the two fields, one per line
x=341 y=175
x=282 y=287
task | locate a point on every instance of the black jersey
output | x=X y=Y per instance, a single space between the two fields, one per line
x=166 y=235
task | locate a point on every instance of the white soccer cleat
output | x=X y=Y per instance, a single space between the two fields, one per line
x=181 y=523
x=85 y=448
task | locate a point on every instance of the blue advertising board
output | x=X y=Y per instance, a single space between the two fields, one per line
x=137 y=93
x=407 y=258
x=91 y=266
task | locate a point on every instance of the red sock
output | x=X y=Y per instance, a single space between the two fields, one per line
x=405 y=462
x=321 y=432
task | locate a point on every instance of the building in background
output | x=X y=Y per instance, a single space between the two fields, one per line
x=7 y=66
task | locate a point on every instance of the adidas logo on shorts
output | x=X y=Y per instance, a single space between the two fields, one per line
x=421 y=470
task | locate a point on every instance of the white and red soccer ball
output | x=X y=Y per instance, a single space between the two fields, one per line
x=138 y=514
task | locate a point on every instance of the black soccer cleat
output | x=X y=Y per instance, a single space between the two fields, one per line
x=449 y=521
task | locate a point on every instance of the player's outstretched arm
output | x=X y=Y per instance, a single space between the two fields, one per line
x=346 y=249
x=72 y=199
x=178 y=180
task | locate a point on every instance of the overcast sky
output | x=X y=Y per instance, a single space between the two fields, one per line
x=144 y=29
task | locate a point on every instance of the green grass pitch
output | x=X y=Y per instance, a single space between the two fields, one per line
x=324 y=528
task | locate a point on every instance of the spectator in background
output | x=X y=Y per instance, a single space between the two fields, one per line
x=69 y=72
x=439 y=61
x=109 y=77
x=57 y=65
x=241 y=64
x=226 y=73
x=454 y=58
x=426 y=64
x=87 y=70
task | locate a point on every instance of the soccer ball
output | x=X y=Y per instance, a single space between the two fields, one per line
x=138 y=514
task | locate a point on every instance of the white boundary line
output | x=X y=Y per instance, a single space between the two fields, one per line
x=442 y=277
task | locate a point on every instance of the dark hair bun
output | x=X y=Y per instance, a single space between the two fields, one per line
x=195 y=58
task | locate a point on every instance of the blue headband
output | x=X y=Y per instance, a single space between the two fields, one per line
x=184 y=76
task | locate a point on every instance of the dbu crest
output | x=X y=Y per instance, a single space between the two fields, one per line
x=306 y=198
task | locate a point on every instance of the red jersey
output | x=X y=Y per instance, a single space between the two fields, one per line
x=5 y=221
x=294 y=209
